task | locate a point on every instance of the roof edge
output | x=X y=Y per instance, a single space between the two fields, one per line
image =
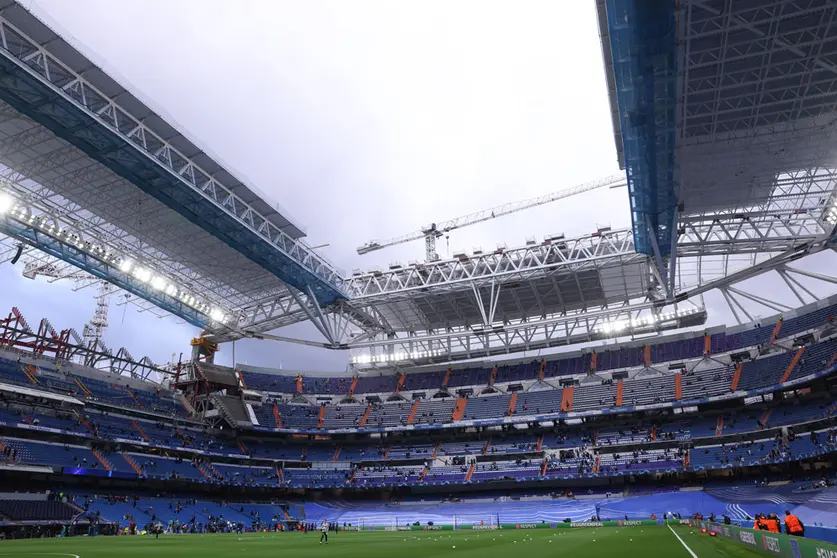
x=607 y=60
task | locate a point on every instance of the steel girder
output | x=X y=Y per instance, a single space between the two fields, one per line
x=756 y=100
x=738 y=298
x=146 y=230
x=138 y=247
x=714 y=251
x=61 y=239
x=687 y=309
x=712 y=246
x=338 y=323
x=37 y=84
x=642 y=37
x=715 y=244
x=518 y=264
x=67 y=346
x=763 y=230
x=63 y=270
x=748 y=232
x=749 y=65
x=461 y=343
x=366 y=322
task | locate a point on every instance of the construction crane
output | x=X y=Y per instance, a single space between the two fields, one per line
x=94 y=330
x=436 y=230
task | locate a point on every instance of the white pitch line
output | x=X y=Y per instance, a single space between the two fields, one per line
x=681 y=542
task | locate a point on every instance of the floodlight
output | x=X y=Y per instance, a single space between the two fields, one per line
x=217 y=315
x=125 y=265
x=158 y=283
x=142 y=274
x=6 y=202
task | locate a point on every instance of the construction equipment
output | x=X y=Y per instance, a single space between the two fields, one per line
x=435 y=230
x=94 y=330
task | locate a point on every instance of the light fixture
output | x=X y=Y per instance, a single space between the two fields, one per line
x=9 y=205
x=217 y=315
x=142 y=274
x=158 y=283
x=6 y=202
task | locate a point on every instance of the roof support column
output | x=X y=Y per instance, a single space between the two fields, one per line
x=309 y=305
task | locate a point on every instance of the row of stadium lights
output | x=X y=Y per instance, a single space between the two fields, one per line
x=622 y=325
x=394 y=357
x=124 y=264
x=607 y=328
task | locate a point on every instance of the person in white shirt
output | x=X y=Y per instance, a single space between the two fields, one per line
x=324 y=531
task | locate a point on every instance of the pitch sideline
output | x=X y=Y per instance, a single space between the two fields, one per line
x=682 y=542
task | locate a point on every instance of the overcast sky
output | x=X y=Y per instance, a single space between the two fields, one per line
x=363 y=120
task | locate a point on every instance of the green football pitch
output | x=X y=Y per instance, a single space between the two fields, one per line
x=644 y=542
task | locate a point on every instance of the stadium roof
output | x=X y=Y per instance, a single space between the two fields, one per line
x=144 y=205
x=714 y=103
x=728 y=160
x=72 y=55
x=538 y=279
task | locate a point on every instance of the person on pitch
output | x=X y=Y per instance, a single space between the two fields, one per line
x=324 y=531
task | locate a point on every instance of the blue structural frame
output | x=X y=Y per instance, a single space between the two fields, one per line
x=26 y=91
x=643 y=39
x=68 y=253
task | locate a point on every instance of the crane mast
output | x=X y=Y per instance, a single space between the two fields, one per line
x=94 y=330
x=435 y=230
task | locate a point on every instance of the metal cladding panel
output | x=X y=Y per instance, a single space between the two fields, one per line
x=643 y=49
x=38 y=100
x=745 y=170
x=621 y=283
x=559 y=292
x=220 y=375
x=757 y=98
x=403 y=315
x=517 y=300
x=752 y=63
x=713 y=187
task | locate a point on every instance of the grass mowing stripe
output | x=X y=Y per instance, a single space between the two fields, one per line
x=682 y=542
x=645 y=542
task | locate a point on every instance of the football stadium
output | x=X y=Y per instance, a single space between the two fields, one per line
x=667 y=388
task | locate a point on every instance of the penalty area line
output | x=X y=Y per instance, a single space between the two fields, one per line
x=682 y=542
